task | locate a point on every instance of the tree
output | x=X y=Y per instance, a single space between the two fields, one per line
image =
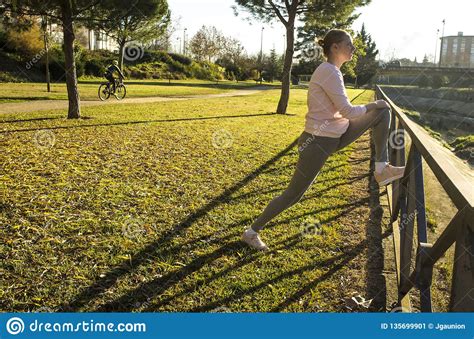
x=287 y=11
x=66 y=13
x=272 y=65
x=207 y=43
x=142 y=21
x=233 y=58
x=366 y=66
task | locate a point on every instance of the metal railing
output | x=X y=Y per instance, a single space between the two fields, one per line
x=407 y=205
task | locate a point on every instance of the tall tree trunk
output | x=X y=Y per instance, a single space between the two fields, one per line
x=44 y=25
x=121 y=44
x=74 y=111
x=286 y=77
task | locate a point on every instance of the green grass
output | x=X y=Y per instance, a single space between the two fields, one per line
x=17 y=92
x=134 y=208
x=462 y=143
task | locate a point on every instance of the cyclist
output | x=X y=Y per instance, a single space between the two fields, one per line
x=109 y=74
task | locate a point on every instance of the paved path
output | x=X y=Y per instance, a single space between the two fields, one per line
x=44 y=105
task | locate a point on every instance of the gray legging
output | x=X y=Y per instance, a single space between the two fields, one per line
x=315 y=150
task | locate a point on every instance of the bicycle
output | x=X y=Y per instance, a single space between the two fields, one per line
x=105 y=90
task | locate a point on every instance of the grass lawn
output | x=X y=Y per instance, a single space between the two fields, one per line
x=14 y=92
x=140 y=208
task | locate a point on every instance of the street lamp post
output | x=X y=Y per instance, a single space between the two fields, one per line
x=184 y=41
x=436 y=47
x=441 y=45
x=261 y=55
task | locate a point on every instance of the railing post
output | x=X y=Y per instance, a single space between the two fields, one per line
x=398 y=159
x=462 y=290
x=424 y=270
x=407 y=210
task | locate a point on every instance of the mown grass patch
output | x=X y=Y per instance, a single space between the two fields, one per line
x=140 y=208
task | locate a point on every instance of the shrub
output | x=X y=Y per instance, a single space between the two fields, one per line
x=181 y=59
x=439 y=81
x=26 y=43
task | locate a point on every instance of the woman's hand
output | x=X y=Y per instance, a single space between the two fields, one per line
x=382 y=104
x=377 y=105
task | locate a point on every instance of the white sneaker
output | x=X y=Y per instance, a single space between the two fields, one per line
x=389 y=173
x=252 y=239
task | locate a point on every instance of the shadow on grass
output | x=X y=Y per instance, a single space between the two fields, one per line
x=155 y=247
x=12 y=100
x=27 y=120
x=282 y=245
x=147 y=290
x=349 y=255
x=131 y=122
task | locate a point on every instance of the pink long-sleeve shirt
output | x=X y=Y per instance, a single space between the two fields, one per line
x=329 y=108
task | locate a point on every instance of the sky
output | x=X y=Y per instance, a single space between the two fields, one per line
x=401 y=29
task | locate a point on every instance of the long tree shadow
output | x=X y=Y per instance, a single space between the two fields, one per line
x=155 y=247
x=28 y=120
x=139 y=122
x=284 y=244
x=143 y=292
x=338 y=262
x=254 y=289
x=306 y=289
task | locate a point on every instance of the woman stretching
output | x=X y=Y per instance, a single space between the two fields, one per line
x=332 y=123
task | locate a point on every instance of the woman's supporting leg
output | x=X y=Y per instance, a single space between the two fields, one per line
x=379 y=119
x=313 y=153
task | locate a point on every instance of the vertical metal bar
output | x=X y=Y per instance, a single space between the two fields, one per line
x=400 y=208
x=407 y=221
x=398 y=191
x=425 y=290
x=420 y=196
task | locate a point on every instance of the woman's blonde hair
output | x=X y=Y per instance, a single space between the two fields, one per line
x=334 y=36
